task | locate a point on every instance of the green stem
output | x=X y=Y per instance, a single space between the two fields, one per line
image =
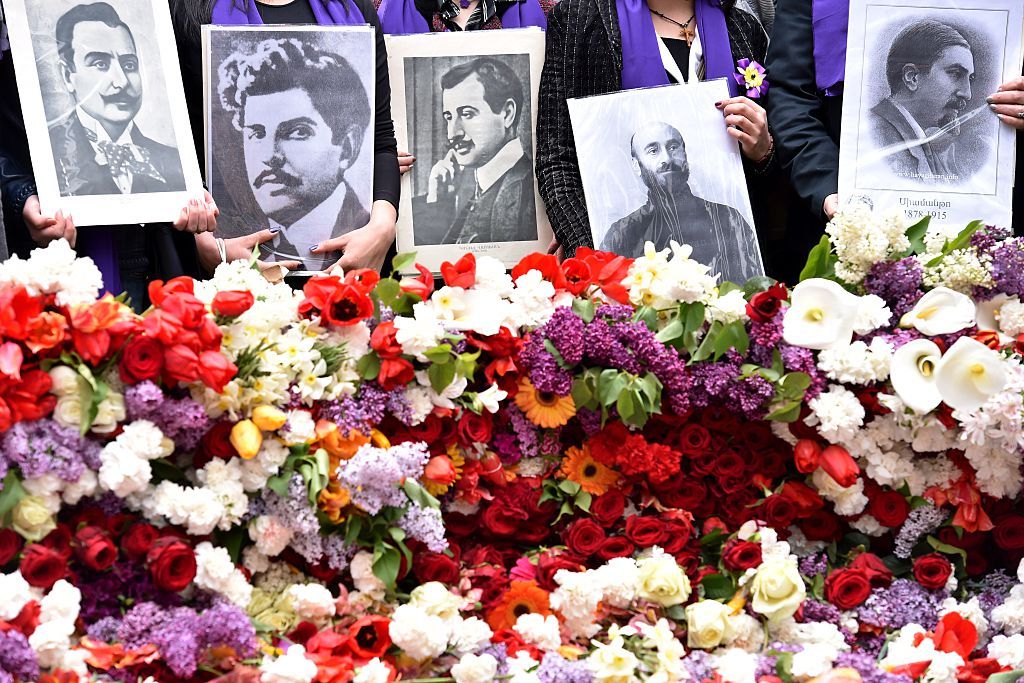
x=448 y=679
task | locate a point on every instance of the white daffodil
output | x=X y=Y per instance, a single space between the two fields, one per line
x=940 y=311
x=969 y=373
x=913 y=372
x=821 y=315
x=986 y=314
x=489 y=399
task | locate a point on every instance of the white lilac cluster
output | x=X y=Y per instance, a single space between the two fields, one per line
x=858 y=363
x=125 y=468
x=54 y=269
x=51 y=639
x=664 y=279
x=430 y=624
x=863 y=238
x=1009 y=616
x=837 y=414
x=296 y=359
x=993 y=436
x=216 y=573
x=962 y=270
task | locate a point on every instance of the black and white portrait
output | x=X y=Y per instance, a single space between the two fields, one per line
x=915 y=115
x=290 y=135
x=469 y=120
x=658 y=166
x=111 y=106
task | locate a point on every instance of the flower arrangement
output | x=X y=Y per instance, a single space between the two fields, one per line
x=602 y=469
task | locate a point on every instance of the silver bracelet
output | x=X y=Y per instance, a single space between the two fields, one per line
x=222 y=249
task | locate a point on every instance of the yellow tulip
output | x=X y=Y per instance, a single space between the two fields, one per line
x=269 y=418
x=247 y=439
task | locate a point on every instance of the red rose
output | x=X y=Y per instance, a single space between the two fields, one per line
x=94 y=548
x=181 y=364
x=89 y=517
x=460 y=274
x=548 y=565
x=215 y=370
x=608 y=508
x=741 y=556
x=685 y=494
x=847 y=588
x=584 y=537
x=1008 y=534
x=216 y=443
x=820 y=526
x=878 y=574
x=42 y=567
x=232 y=304
x=186 y=308
x=693 y=440
x=729 y=465
x=474 y=428
x=10 y=545
x=779 y=511
x=142 y=359
x=678 y=530
x=428 y=566
x=139 y=538
x=369 y=636
x=59 y=541
x=645 y=531
x=765 y=305
x=172 y=564
x=890 y=508
x=932 y=571
x=617 y=546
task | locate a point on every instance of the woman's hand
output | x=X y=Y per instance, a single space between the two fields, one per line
x=405 y=162
x=235 y=249
x=831 y=206
x=748 y=123
x=366 y=247
x=45 y=229
x=198 y=216
x=1008 y=103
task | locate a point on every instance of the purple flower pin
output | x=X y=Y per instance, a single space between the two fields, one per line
x=751 y=76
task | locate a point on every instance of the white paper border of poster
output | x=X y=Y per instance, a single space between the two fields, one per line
x=108 y=209
x=528 y=41
x=986 y=188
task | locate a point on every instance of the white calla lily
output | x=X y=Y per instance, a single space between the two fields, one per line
x=913 y=372
x=940 y=311
x=969 y=374
x=821 y=315
x=986 y=314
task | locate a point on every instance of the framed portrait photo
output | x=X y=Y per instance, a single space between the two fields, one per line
x=658 y=165
x=917 y=133
x=465 y=105
x=289 y=134
x=104 y=109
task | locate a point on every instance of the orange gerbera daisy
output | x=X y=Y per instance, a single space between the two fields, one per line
x=544 y=408
x=522 y=597
x=581 y=467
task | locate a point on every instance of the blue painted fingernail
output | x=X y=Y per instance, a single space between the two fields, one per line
x=274 y=231
x=313 y=248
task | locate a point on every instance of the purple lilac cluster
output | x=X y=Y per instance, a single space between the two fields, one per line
x=1008 y=267
x=506 y=447
x=813 y=610
x=373 y=474
x=698 y=665
x=555 y=668
x=796 y=359
x=367 y=408
x=868 y=669
x=904 y=602
x=17 y=660
x=294 y=511
x=814 y=565
x=719 y=383
x=898 y=283
x=922 y=520
x=525 y=431
x=544 y=371
x=565 y=331
x=182 y=635
x=425 y=525
x=180 y=419
x=765 y=338
x=45 y=447
x=500 y=653
x=125 y=580
x=992 y=590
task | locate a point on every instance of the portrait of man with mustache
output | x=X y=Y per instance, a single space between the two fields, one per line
x=98 y=148
x=303 y=113
x=930 y=72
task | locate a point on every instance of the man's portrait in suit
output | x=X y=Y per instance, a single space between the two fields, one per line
x=930 y=74
x=303 y=113
x=719 y=234
x=481 y=189
x=98 y=148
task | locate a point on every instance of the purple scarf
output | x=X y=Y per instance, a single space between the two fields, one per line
x=641 y=56
x=830 y=20
x=327 y=13
x=401 y=18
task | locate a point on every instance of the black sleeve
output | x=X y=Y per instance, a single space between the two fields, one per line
x=796 y=112
x=386 y=178
x=17 y=182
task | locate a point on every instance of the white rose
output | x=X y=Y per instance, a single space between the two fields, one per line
x=663 y=581
x=110 y=412
x=778 y=589
x=32 y=518
x=65 y=381
x=68 y=411
x=707 y=624
x=436 y=600
x=475 y=669
x=365 y=581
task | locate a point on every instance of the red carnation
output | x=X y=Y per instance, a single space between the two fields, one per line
x=232 y=304
x=42 y=567
x=172 y=564
x=932 y=571
x=847 y=588
x=94 y=548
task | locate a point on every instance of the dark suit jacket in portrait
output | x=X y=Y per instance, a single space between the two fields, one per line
x=505 y=212
x=891 y=128
x=721 y=238
x=79 y=174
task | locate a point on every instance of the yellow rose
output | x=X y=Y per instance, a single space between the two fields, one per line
x=261 y=600
x=777 y=589
x=32 y=519
x=278 y=621
x=612 y=663
x=663 y=581
x=247 y=439
x=707 y=624
x=269 y=418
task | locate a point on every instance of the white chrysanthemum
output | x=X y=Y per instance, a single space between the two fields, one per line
x=55 y=269
x=857 y=363
x=838 y=412
x=847 y=501
x=420 y=635
x=291 y=667
x=470 y=635
x=863 y=238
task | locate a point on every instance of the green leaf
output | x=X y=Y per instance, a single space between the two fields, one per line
x=279 y=483
x=670 y=332
x=787 y=412
x=386 y=563
x=821 y=262
x=610 y=385
x=419 y=495
x=440 y=354
x=368 y=366
x=585 y=309
x=232 y=541
x=718 y=587
x=570 y=487
x=915 y=233
x=583 y=501
x=402 y=263
x=727 y=287
x=388 y=291
x=963 y=239
x=946 y=548
x=581 y=394
x=648 y=315
x=732 y=336
x=556 y=354
x=626 y=406
x=441 y=376
x=757 y=284
x=11 y=495
x=166 y=471
x=1006 y=677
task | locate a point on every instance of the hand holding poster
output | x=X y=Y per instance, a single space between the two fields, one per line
x=917 y=131
x=658 y=165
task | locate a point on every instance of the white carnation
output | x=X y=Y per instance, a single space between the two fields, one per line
x=475 y=669
x=420 y=635
x=291 y=667
x=1008 y=650
x=538 y=630
x=17 y=593
x=216 y=573
x=311 y=601
x=838 y=413
x=857 y=363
